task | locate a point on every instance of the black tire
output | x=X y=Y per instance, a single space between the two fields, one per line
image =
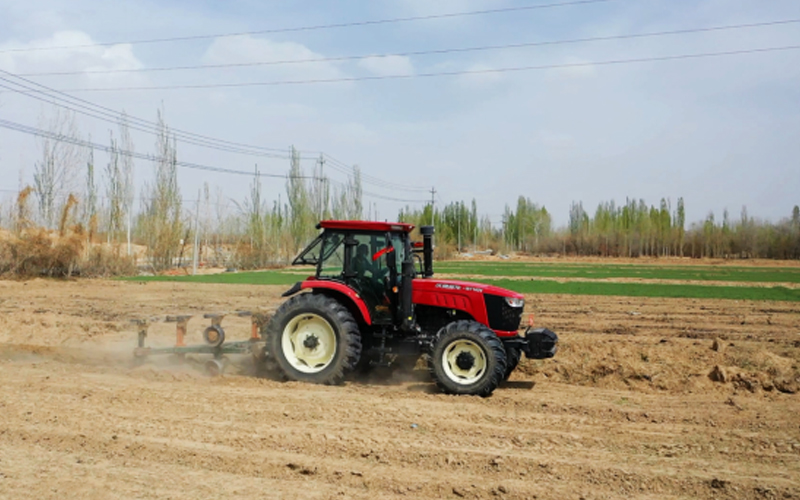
x=480 y=351
x=316 y=310
x=513 y=355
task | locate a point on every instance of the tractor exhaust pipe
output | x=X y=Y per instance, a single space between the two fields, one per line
x=427 y=249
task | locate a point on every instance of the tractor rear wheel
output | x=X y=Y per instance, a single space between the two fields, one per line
x=313 y=338
x=467 y=358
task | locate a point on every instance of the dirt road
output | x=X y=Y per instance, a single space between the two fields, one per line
x=626 y=410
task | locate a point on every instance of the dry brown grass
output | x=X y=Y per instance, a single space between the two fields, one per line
x=39 y=252
x=104 y=261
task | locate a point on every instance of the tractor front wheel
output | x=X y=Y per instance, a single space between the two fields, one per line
x=467 y=358
x=513 y=356
x=313 y=338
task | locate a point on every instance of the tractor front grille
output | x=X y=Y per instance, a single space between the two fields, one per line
x=502 y=316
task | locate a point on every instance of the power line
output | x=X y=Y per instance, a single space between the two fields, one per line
x=83 y=110
x=343 y=167
x=378 y=182
x=319 y=27
x=18 y=127
x=423 y=52
x=380 y=196
x=195 y=166
x=59 y=98
x=87 y=108
x=612 y=62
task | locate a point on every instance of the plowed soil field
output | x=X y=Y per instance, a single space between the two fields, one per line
x=647 y=398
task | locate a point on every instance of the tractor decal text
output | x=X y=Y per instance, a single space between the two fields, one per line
x=448 y=286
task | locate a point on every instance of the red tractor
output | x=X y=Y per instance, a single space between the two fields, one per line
x=369 y=305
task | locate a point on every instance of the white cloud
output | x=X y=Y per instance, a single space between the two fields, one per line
x=389 y=65
x=481 y=76
x=23 y=58
x=248 y=49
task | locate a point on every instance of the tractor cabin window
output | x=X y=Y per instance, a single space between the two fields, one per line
x=309 y=256
x=332 y=265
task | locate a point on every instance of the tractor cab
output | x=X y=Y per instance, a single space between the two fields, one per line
x=366 y=257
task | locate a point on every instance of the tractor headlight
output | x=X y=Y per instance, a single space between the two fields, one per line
x=515 y=302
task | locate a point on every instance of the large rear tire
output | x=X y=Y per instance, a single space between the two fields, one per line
x=467 y=358
x=314 y=338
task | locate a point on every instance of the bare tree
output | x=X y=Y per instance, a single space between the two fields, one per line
x=299 y=205
x=126 y=175
x=348 y=201
x=161 y=224
x=254 y=212
x=114 y=191
x=89 y=208
x=54 y=175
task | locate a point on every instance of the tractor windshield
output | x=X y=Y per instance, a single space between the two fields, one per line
x=332 y=256
x=368 y=258
x=309 y=256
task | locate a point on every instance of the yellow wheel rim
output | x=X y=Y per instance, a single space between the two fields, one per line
x=309 y=343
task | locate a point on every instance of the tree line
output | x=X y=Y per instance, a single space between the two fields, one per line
x=70 y=194
x=70 y=191
x=633 y=229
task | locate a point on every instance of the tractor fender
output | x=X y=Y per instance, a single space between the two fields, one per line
x=295 y=288
x=339 y=289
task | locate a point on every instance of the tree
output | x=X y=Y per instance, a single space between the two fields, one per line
x=89 y=213
x=578 y=225
x=255 y=225
x=161 y=225
x=126 y=188
x=347 y=200
x=114 y=191
x=680 y=224
x=320 y=191
x=301 y=215
x=54 y=175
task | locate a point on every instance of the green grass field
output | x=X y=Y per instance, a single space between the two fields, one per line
x=245 y=278
x=493 y=273
x=648 y=290
x=601 y=271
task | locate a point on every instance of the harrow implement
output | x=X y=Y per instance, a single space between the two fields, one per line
x=213 y=335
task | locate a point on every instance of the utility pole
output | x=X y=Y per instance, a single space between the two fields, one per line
x=196 y=236
x=433 y=193
x=459 y=230
x=321 y=187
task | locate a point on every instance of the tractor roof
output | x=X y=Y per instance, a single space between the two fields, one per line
x=361 y=225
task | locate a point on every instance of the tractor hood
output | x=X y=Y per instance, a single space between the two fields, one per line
x=465 y=286
x=499 y=308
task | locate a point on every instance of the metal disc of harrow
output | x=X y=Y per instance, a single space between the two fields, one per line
x=214 y=335
x=216 y=367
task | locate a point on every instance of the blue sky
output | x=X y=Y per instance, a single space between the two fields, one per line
x=721 y=132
